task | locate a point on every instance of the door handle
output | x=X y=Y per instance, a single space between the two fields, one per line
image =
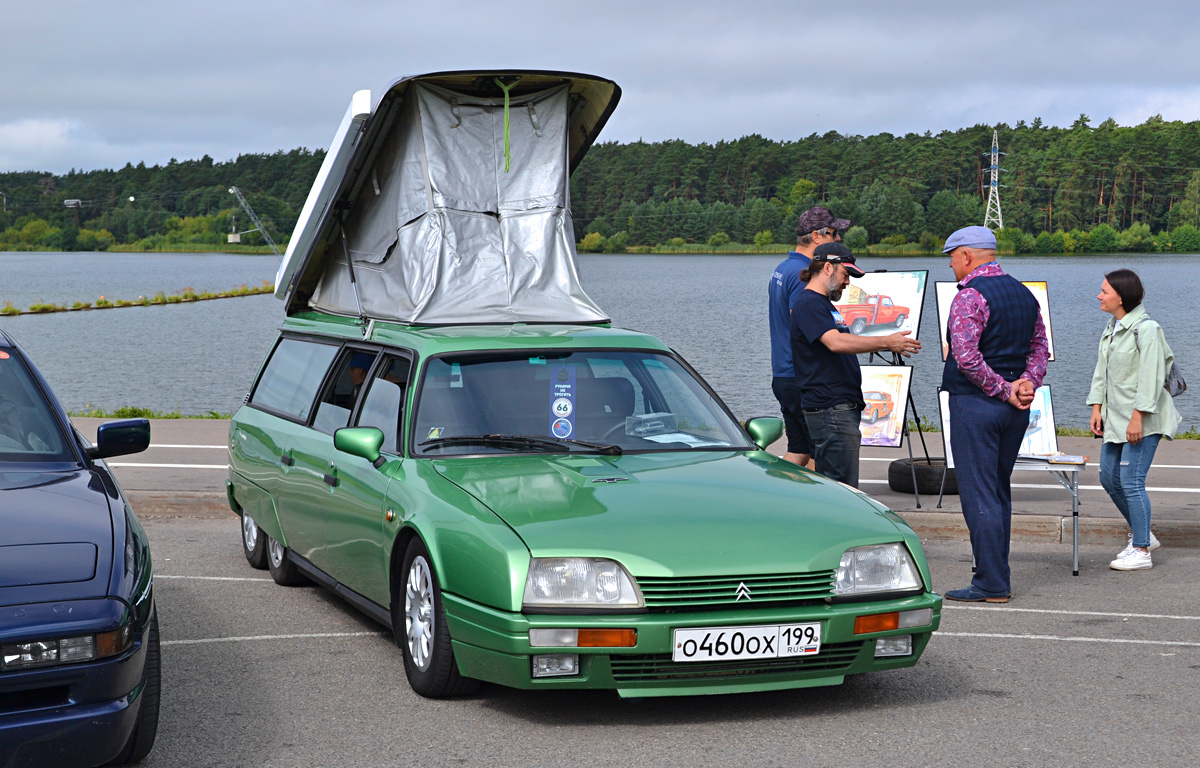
x=331 y=480
x=287 y=461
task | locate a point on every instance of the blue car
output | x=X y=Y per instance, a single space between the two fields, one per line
x=79 y=649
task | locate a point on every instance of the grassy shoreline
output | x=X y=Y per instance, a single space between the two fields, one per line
x=185 y=296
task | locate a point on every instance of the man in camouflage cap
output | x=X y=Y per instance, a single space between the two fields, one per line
x=815 y=227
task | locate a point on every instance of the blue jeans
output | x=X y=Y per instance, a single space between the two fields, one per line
x=836 y=437
x=985 y=439
x=1123 y=468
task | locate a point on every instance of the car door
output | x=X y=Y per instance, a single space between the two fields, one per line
x=262 y=435
x=312 y=479
x=357 y=535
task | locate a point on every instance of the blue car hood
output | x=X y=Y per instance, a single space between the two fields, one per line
x=56 y=536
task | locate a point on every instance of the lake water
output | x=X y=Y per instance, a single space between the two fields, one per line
x=709 y=308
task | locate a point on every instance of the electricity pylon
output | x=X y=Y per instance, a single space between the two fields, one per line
x=993 y=205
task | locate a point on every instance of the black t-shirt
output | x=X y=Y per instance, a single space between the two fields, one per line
x=826 y=378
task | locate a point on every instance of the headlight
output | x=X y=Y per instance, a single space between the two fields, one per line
x=66 y=650
x=579 y=582
x=878 y=568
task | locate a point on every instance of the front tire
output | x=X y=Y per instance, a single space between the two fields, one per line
x=858 y=326
x=900 y=321
x=254 y=543
x=283 y=571
x=419 y=627
x=141 y=741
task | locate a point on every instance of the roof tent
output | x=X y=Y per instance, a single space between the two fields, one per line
x=448 y=203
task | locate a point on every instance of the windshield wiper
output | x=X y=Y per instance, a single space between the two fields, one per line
x=523 y=441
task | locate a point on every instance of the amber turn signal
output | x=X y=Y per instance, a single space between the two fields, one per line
x=878 y=622
x=607 y=638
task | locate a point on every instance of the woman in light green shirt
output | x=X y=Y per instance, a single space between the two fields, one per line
x=1130 y=408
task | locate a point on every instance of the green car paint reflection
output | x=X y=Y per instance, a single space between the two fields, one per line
x=574 y=448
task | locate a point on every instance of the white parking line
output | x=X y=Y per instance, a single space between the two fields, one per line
x=996 y=609
x=1090 y=463
x=166 y=466
x=168 y=445
x=1054 y=485
x=261 y=638
x=214 y=578
x=1060 y=638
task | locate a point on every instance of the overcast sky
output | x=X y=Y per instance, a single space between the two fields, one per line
x=92 y=84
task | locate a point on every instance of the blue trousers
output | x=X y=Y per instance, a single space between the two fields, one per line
x=1123 y=468
x=985 y=439
x=836 y=438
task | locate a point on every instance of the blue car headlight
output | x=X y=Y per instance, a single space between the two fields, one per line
x=877 y=568
x=64 y=650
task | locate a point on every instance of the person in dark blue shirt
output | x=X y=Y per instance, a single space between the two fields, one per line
x=815 y=227
x=825 y=356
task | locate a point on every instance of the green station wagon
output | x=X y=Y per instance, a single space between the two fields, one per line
x=452 y=437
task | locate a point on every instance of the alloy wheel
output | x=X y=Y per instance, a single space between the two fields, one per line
x=418 y=613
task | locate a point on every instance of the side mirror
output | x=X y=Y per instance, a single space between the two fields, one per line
x=764 y=430
x=118 y=438
x=363 y=442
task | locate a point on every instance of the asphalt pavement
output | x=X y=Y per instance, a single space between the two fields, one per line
x=1100 y=669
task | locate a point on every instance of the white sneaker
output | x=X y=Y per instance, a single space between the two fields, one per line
x=1133 y=560
x=1154 y=544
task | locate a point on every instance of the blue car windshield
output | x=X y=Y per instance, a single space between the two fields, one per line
x=606 y=401
x=29 y=432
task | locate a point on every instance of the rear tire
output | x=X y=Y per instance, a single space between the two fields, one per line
x=283 y=571
x=858 y=326
x=419 y=627
x=254 y=543
x=141 y=741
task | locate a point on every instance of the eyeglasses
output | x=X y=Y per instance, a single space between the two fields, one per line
x=827 y=231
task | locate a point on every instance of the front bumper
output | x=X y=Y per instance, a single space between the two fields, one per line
x=73 y=714
x=494 y=646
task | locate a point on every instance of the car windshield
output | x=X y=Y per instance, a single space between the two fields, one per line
x=29 y=432
x=601 y=401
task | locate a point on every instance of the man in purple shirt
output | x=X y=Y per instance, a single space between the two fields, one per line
x=998 y=355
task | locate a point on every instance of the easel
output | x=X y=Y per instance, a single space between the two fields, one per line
x=898 y=359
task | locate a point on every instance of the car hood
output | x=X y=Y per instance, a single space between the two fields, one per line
x=677 y=514
x=56 y=536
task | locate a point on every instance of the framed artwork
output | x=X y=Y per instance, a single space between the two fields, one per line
x=1042 y=294
x=879 y=303
x=1041 y=438
x=945 y=292
x=885 y=391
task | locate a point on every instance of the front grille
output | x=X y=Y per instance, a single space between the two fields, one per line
x=657 y=667
x=667 y=594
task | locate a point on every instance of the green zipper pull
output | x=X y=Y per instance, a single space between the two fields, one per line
x=506 y=89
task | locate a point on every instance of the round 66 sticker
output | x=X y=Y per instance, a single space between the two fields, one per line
x=562 y=407
x=561 y=428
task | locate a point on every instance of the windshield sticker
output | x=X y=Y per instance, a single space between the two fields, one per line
x=434 y=433
x=3 y=355
x=537 y=361
x=562 y=402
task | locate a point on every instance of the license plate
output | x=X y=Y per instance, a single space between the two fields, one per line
x=733 y=643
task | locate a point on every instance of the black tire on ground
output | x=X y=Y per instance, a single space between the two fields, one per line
x=929 y=476
x=254 y=543
x=283 y=571
x=417 y=600
x=858 y=326
x=141 y=741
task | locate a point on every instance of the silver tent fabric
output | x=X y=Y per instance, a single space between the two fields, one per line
x=441 y=234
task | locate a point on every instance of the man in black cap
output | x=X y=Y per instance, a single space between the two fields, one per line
x=825 y=355
x=816 y=226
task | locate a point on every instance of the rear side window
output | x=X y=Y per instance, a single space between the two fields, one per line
x=293 y=375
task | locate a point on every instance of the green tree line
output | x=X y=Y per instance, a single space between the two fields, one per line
x=154 y=208
x=1083 y=188
x=1134 y=188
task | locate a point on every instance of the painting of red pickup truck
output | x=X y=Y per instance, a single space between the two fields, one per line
x=879 y=303
x=875 y=310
